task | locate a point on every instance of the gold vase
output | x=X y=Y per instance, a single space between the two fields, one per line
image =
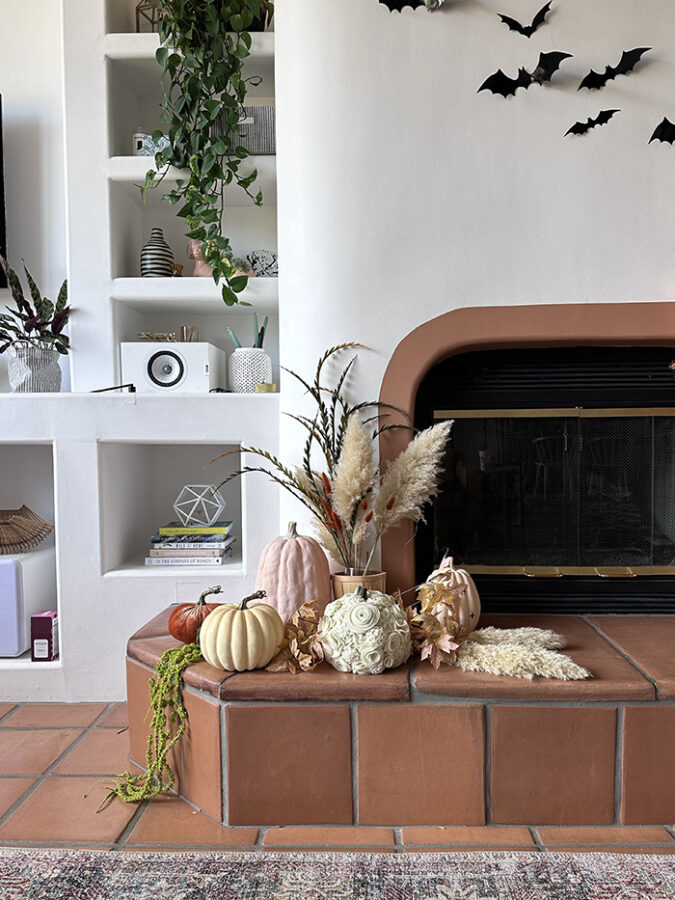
x=344 y=583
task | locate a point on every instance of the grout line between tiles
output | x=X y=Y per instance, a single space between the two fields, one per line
x=536 y=838
x=488 y=764
x=354 y=734
x=129 y=827
x=618 y=765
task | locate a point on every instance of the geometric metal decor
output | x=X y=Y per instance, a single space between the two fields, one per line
x=199 y=504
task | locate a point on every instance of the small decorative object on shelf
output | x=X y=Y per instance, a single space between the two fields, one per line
x=293 y=570
x=365 y=633
x=201 y=269
x=241 y=637
x=186 y=545
x=156 y=257
x=186 y=619
x=44 y=636
x=199 y=504
x=258 y=130
x=189 y=334
x=177 y=270
x=243 y=267
x=22 y=530
x=351 y=579
x=33 y=333
x=248 y=367
x=148 y=15
x=266 y=388
x=142 y=144
x=157 y=337
x=263 y=20
x=264 y=263
x=399 y=5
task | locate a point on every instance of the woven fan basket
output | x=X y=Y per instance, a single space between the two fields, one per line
x=21 y=530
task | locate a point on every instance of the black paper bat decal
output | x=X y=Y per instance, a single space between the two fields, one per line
x=664 y=132
x=601 y=119
x=399 y=5
x=629 y=59
x=499 y=83
x=527 y=30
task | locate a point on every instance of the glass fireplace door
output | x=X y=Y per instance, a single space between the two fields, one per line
x=575 y=491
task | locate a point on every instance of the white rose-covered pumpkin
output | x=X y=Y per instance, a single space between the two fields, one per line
x=365 y=633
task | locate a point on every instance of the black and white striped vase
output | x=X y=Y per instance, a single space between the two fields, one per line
x=156 y=256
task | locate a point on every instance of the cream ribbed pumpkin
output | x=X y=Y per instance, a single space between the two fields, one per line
x=239 y=637
x=465 y=600
x=294 y=570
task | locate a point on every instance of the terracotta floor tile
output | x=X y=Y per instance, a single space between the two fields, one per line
x=153 y=848
x=614 y=678
x=553 y=765
x=169 y=820
x=64 y=809
x=485 y=835
x=10 y=791
x=347 y=837
x=31 y=752
x=399 y=746
x=117 y=717
x=649 y=642
x=54 y=715
x=609 y=834
x=639 y=849
x=101 y=752
x=5 y=708
x=289 y=765
x=648 y=765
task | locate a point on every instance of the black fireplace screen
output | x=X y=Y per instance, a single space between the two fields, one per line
x=580 y=491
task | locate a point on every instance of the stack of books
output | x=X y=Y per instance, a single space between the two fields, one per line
x=191 y=545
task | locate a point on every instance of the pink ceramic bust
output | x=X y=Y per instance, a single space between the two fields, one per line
x=194 y=251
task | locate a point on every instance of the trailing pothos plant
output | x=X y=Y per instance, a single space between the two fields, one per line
x=204 y=44
x=40 y=323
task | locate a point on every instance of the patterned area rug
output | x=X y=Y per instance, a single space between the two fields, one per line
x=90 y=875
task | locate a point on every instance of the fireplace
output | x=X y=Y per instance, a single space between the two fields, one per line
x=559 y=491
x=559 y=495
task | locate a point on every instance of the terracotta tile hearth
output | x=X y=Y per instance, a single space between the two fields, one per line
x=325 y=749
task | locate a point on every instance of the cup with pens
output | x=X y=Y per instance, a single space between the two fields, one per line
x=250 y=368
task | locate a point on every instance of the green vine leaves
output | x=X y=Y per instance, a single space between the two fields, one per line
x=204 y=44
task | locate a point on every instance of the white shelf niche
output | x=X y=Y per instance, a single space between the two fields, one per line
x=129 y=172
x=138 y=483
x=28 y=478
x=134 y=89
x=248 y=227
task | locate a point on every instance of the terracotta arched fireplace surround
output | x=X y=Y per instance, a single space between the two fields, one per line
x=489 y=328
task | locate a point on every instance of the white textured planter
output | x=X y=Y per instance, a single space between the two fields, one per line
x=248 y=366
x=34 y=369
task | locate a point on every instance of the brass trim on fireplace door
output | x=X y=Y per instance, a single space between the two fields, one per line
x=559 y=571
x=575 y=412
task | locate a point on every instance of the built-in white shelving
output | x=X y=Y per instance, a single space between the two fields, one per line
x=129 y=172
x=151 y=296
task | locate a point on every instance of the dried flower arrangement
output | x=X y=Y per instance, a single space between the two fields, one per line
x=352 y=500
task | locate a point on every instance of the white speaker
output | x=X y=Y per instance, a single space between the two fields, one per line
x=27 y=586
x=188 y=368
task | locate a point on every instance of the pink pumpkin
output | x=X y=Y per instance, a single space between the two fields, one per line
x=466 y=600
x=294 y=570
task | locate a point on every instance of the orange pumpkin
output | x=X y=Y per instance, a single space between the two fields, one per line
x=294 y=570
x=466 y=600
x=186 y=619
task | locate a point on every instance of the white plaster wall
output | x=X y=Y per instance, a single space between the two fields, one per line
x=403 y=193
x=31 y=85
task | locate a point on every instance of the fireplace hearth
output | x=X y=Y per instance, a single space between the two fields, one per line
x=559 y=493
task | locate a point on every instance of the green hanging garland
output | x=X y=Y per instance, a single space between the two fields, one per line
x=168 y=712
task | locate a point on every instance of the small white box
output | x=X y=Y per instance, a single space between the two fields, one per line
x=161 y=368
x=27 y=585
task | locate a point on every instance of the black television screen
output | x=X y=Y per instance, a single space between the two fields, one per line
x=3 y=221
